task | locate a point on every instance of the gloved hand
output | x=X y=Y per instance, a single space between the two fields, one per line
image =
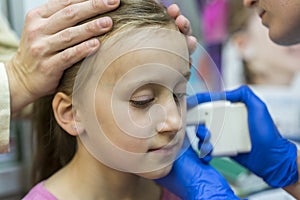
x=204 y=144
x=203 y=134
x=190 y=178
x=272 y=157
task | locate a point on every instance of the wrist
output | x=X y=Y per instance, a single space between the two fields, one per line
x=294 y=189
x=298 y=163
x=285 y=164
x=19 y=95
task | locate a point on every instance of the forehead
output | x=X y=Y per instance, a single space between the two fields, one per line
x=128 y=49
x=152 y=47
x=152 y=64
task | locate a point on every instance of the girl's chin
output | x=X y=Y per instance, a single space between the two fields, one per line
x=157 y=174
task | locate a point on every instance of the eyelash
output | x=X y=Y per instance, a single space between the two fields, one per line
x=141 y=104
x=145 y=103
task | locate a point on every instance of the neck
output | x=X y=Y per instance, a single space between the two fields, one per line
x=86 y=178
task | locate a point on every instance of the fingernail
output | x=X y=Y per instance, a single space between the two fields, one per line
x=110 y=2
x=104 y=22
x=92 y=43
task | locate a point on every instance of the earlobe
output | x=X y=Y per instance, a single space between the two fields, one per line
x=77 y=128
x=64 y=114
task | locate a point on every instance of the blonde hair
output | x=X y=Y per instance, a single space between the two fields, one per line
x=54 y=148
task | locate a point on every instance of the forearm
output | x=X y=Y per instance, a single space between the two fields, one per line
x=294 y=189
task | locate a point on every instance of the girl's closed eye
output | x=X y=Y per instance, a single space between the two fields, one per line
x=143 y=96
x=142 y=101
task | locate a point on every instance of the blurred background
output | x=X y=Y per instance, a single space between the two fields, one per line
x=233 y=49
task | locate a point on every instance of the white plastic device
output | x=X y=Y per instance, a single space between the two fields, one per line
x=227 y=123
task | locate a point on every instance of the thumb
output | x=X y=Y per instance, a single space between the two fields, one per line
x=198 y=98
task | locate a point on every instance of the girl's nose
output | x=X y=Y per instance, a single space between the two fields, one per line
x=173 y=120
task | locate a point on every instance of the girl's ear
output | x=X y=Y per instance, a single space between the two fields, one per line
x=64 y=114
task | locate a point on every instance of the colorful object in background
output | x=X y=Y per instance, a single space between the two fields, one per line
x=9 y=41
x=167 y=3
x=214 y=28
x=215 y=15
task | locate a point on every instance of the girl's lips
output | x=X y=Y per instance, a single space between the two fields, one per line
x=163 y=149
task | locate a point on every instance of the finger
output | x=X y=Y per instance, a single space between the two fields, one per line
x=205 y=148
x=192 y=43
x=246 y=95
x=241 y=94
x=70 y=56
x=173 y=10
x=194 y=100
x=76 y=13
x=203 y=133
x=53 y=6
x=184 y=25
x=205 y=152
x=77 y=34
x=236 y=95
x=206 y=159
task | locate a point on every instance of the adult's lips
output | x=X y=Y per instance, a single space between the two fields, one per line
x=261 y=12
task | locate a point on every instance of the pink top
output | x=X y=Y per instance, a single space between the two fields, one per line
x=39 y=192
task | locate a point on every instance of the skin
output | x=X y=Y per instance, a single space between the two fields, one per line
x=52 y=42
x=284 y=27
x=31 y=71
x=137 y=134
x=282 y=18
x=85 y=173
x=263 y=55
x=95 y=180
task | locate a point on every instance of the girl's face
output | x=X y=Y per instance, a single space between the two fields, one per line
x=140 y=108
x=282 y=17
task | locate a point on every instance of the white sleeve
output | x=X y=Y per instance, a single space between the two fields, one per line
x=4 y=110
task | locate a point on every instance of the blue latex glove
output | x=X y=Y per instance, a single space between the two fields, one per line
x=204 y=144
x=272 y=157
x=190 y=178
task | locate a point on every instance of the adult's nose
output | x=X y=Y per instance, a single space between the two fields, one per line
x=250 y=3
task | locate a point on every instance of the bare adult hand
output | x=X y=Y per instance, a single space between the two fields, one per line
x=51 y=42
x=184 y=26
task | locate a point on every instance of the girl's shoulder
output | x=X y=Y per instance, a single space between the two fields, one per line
x=39 y=192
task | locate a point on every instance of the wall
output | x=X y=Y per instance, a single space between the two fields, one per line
x=17 y=10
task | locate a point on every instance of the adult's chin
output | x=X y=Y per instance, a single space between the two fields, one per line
x=284 y=37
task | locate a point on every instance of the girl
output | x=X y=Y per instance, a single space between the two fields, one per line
x=117 y=119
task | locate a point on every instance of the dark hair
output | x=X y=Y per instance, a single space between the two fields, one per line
x=53 y=147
